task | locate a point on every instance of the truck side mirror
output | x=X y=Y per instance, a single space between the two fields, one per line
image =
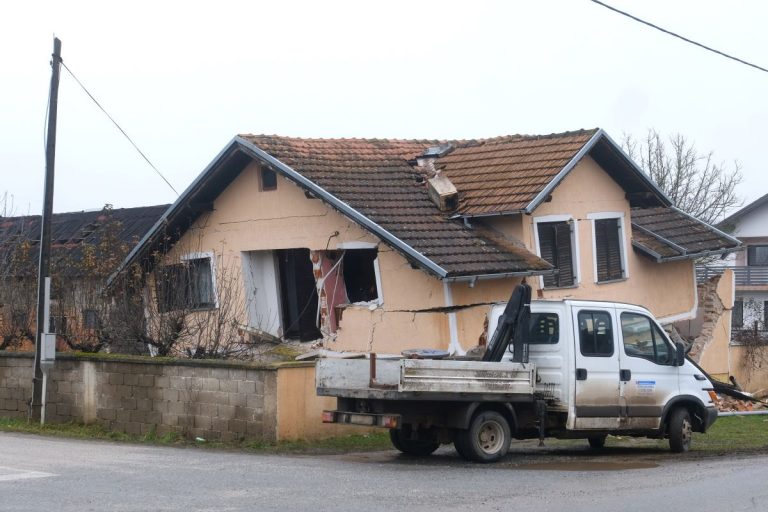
x=680 y=356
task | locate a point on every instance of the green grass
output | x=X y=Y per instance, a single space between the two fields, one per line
x=735 y=434
x=341 y=444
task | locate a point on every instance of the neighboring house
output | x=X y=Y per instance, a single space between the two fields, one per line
x=383 y=245
x=86 y=247
x=750 y=266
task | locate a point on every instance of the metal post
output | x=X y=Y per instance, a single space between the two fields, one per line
x=45 y=230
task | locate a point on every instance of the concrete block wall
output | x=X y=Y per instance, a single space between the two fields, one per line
x=213 y=401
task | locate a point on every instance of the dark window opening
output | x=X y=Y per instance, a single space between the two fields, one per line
x=555 y=247
x=737 y=314
x=544 y=329
x=765 y=315
x=299 y=295
x=268 y=179
x=91 y=319
x=57 y=324
x=360 y=275
x=608 y=249
x=757 y=255
x=595 y=334
x=187 y=285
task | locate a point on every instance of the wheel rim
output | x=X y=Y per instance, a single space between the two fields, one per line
x=687 y=432
x=490 y=438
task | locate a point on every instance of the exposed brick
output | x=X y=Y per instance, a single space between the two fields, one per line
x=116 y=378
x=146 y=381
x=131 y=379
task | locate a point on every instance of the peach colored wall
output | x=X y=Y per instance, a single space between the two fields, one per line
x=299 y=408
x=248 y=219
x=751 y=379
x=715 y=357
x=667 y=289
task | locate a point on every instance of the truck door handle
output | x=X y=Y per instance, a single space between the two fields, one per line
x=625 y=375
x=581 y=374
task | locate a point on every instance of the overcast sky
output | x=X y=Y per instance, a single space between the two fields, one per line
x=182 y=78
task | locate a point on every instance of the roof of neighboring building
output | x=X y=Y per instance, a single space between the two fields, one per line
x=745 y=210
x=669 y=234
x=379 y=184
x=69 y=231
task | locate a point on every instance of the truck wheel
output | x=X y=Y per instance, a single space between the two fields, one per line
x=423 y=445
x=680 y=430
x=596 y=442
x=487 y=438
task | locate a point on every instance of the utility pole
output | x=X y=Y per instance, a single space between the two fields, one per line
x=44 y=269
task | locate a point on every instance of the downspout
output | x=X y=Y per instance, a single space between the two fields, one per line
x=454 y=348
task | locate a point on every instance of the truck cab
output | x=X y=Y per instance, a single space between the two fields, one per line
x=614 y=370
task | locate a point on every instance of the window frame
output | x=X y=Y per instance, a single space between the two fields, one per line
x=575 y=252
x=737 y=312
x=211 y=257
x=656 y=330
x=610 y=323
x=752 y=254
x=619 y=216
x=265 y=171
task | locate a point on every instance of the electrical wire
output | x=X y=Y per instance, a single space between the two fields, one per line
x=673 y=34
x=119 y=127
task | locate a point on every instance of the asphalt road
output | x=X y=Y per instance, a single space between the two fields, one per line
x=51 y=474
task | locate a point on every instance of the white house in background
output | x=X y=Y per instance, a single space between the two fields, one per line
x=750 y=266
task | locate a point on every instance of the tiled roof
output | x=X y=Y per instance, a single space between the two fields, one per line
x=375 y=178
x=505 y=174
x=668 y=233
x=70 y=230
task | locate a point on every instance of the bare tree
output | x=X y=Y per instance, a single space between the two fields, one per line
x=693 y=181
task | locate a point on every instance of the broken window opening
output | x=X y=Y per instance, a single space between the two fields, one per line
x=299 y=294
x=359 y=273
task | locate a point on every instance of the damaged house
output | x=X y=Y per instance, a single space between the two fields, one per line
x=384 y=245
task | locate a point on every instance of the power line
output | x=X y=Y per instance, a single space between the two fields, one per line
x=680 y=37
x=118 y=127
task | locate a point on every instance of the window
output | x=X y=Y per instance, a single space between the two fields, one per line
x=642 y=338
x=360 y=275
x=595 y=333
x=186 y=285
x=737 y=314
x=556 y=248
x=57 y=324
x=608 y=250
x=757 y=255
x=544 y=329
x=91 y=319
x=268 y=179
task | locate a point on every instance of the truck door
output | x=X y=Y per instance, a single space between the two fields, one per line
x=596 y=399
x=649 y=377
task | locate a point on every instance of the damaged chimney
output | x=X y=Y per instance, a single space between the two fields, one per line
x=439 y=188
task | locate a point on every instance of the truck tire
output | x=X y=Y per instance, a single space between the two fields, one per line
x=422 y=446
x=680 y=430
x=487 y=438
x=597 y=442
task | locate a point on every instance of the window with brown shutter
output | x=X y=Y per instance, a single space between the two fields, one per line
x=608 y=250
x=556 y=248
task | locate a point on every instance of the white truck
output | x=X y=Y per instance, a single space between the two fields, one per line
x=575 y=369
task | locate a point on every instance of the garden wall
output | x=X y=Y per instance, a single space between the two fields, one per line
x=212 y=400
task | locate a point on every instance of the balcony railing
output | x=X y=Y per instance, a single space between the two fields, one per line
x=744 y=276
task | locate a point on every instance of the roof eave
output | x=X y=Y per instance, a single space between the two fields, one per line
x=135 y=253
x=500 y=275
